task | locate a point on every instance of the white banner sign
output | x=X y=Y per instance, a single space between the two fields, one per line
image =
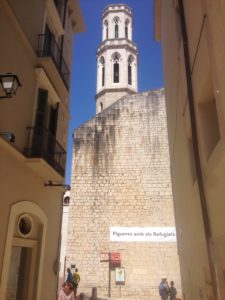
x=143 y=234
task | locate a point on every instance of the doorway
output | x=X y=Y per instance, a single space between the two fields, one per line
x=20 y=283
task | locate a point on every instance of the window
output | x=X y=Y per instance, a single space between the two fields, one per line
x=206 y=108
x=101 y=106
x=116 y=72
x=129 y=71
x=129 y=75
x=40 y=119
x=126 y=28
x=126 y=31
x=46 y=114
x=116 y=31
x=209 y=125
x=106 y=29
x=103 y=75
x=66 y=201
x=116 y=21
x=102 y=63
x=116 y=69
x=47 y=42
x=45 y=124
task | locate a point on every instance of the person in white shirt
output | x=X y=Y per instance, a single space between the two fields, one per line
x=66 y=292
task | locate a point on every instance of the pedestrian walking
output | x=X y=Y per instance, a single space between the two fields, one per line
x=66 y=292
x=69 y=276
x=164 y=289
x=76 y=280
x=172 y=291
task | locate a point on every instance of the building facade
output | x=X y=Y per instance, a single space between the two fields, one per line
x=64 y=232
x=192 y=38
x=121 y=232
x=36 y=44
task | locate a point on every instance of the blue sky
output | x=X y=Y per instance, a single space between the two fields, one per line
x=83 y=84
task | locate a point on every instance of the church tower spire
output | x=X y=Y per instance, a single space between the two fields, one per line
x=116 y=57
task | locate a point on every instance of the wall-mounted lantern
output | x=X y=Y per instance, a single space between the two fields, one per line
x=9 y=83
x=9 y=136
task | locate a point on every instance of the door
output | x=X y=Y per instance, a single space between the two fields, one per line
x=20 y=284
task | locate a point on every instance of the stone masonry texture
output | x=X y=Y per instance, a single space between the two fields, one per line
x=121 y=177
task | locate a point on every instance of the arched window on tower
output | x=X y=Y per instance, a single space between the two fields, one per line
x=102 y=63
x=116 y=31
x=106 y=29
x=116 y=21
x=126 y=28
x=101 y=106
x=130 y=61
x=103 y=75
x=116 y=67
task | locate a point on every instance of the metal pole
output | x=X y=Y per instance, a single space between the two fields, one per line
x=109 y=290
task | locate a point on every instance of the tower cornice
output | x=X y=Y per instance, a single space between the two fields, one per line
x=117 y=44
x=117 y=8
x=103 y=92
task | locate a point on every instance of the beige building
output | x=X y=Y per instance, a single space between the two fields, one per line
x=193 y=48
x=36 y=44
x=121 y=233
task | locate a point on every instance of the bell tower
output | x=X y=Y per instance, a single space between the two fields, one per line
x=116 y=57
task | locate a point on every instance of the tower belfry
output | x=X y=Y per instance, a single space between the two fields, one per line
x=116 y=57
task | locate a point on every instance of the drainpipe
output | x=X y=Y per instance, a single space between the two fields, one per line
x=60 y=241
x=204 y=208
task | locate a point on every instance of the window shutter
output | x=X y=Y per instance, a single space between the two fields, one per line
x=41 y=108
x=39 y=130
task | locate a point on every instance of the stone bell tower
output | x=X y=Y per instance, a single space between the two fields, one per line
x=116 y=57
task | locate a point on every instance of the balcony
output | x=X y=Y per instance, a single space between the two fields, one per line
x=48 y=47
x=42 y=144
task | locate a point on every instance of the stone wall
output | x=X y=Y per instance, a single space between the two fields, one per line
x=121 y=177
x=108 y=99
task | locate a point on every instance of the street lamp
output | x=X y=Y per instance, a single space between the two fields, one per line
x=9 y=83
x=8 y=136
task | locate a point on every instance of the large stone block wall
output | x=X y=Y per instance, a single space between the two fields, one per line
x=121 y=177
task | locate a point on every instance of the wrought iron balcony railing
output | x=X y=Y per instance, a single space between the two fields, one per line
x=42 y=144
x=48 y=47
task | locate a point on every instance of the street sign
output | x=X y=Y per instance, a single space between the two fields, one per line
x=120 y=275
x=114 y=259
